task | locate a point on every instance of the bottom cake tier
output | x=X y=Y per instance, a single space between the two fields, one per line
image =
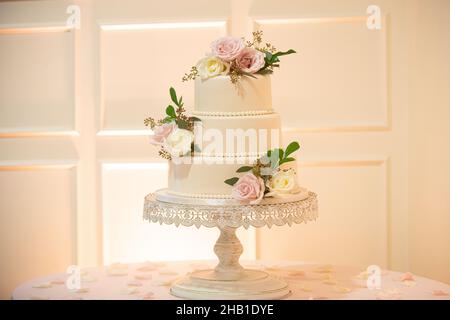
x=204 y=176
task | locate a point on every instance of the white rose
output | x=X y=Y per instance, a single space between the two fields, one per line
x=212 y=66
x=179 y=142
x=283 y=182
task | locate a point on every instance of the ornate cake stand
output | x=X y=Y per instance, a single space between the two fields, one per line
x=229 y=280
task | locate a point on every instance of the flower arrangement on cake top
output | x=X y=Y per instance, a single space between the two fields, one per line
x=236 y=57
x=174 y=133
x=268 y=177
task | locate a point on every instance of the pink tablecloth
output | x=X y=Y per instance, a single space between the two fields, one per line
x=307 y=281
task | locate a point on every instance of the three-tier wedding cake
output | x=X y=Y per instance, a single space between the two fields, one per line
x=228 y=150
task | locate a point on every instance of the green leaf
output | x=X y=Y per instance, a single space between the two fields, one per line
x=231 y=181
x=292 y=147
x=195 y=119
x=181 y=124
x=286 y=160
x=167 y=119
x=281 y=53
x=247 y=74
x=244 y=169
x=180 y=102
x=264 y=71
x=173 y=96
x=170 y=111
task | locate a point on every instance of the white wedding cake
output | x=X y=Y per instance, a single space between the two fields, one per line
x=221 y=107
x=228 y=150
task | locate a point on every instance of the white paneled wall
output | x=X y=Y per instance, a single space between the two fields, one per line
x=73 y=147
x=336 y=53
x=37 y=223
x=139 y=63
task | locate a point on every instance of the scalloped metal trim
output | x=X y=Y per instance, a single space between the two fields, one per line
x=231 y=216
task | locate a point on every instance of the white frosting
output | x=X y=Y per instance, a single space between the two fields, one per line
x=222 y=105
x=218 y=94
x=203 y=179
x=257 y=133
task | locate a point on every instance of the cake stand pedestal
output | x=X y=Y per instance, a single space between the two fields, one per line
x=229 y=280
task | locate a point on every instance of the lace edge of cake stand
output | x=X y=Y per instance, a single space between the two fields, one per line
x=246 y=216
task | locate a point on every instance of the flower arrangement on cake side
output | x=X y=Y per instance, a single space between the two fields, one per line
x=174 y=133
x=236 y=57
x=268 y=177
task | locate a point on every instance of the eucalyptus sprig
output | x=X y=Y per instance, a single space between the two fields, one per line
x=174 y=114
x=272 y=60
x=268 y=164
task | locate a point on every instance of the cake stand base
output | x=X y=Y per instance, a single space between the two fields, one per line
x=246 y=285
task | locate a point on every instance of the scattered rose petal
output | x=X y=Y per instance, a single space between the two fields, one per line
x=134 y=284
x=440 y=293
x=58 y=282
x=44 y=285
x=167 y=283
x=327 y=276
x=147 y=268
x=340 y=289
x=409 y=283
x=130 y=291
x=305 y=288
x=143 y=276
x=148 y=296
x=408 y=276
x=324 y=269
x=296 y=274
x=81 y=290
x=329 y=282
x=167 y=273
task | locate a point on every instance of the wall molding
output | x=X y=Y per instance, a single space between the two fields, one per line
x=386 y=125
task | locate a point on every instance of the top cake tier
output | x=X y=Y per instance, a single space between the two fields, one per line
x=219 y=95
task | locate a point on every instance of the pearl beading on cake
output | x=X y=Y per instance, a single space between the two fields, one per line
x=232 y=114
x=250 y=155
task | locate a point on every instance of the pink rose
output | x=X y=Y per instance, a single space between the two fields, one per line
x=250 y=60
x=249 y=188
x=227 y=48
x=161 y=132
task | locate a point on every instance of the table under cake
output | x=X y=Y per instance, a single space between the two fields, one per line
x=152 y=280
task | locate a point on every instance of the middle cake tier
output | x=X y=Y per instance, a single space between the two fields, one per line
x=237 y=135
